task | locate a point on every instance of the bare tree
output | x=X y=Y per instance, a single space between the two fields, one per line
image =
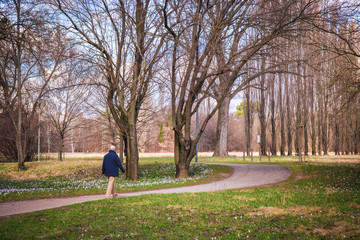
x=273 y=148
x=31 y=51
x=282 y=117
x=200 y=50
x=197 y=76
x=126 y=38
x=65 y=106
x=262 y=116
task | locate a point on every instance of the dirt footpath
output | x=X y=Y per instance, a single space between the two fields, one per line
x=244 y=176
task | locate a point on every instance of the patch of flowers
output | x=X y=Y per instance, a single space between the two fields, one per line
x=149 y=175
x=335 y=178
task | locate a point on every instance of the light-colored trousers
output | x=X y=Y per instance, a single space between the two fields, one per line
x=110 y=189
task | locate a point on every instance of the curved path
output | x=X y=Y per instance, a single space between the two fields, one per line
x=244 y=176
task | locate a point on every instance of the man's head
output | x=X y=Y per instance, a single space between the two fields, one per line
x=112 y=147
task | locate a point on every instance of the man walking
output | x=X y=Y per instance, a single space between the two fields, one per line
x=110 y=168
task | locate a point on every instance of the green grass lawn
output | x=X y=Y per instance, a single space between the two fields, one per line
x=323 y=204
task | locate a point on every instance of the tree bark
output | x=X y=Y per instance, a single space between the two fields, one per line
x=248 y=121
x=357 y=136
x=48 y=138
x=19 y=137
x=313 y=120
x=121 y=147
x=313 y=133
x=61 y=149
x=306 y=114
x=282 y=119
x=299 y=119
x=325 y=127
x=137 y=96
x=273 y=121
x=221 y=145
x=262 y=116
x=181 y=149
x=337 y=138
x=297 y=126
x=320 y=122
x=133 y=153
x=289 y=117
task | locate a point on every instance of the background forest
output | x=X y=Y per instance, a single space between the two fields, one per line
x=179 y=76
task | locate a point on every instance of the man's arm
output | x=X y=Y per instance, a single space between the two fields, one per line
x=103 y=167
x=119 y=164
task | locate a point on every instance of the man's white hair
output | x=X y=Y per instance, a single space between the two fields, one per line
x=112 y=147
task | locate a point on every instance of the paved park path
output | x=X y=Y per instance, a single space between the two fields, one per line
x=244 y=176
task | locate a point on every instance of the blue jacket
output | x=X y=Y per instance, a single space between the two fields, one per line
x=111 y=165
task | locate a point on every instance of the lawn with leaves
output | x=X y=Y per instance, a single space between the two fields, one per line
x=323 y=204
x=73 y=178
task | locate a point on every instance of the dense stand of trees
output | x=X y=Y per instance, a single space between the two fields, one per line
x=150 y=66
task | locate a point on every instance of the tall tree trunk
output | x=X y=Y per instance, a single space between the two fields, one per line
x=112 y=129
x=320 y=109
x=180 y=154
x=19 y=138
x=313 y=123
x=248 y=121
x=352 y=134
x=121 y=147
x=342 y=141
x=48 y=137
x=325 y=126
x=221 y=141
x=282 y=119
x=61 y=148
x=299 y=122
x=289 y=116
x=132 y=159
x=346 y=130
x=273 y=120
x=262 y=116
x=337 y=138
x=137 y=96
x=185 y=147
x=313 y=133
x=320 y=121
x=299 y=99
x=357 y=136
x=306 y=136
x=221 y=146
x=306 y=114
